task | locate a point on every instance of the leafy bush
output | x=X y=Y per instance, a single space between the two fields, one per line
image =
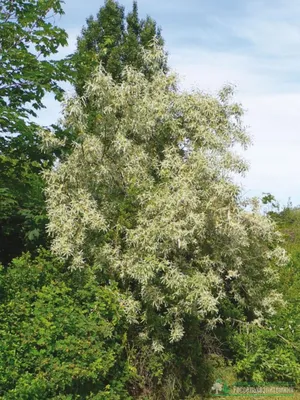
x=268 y=354
x=62 y=334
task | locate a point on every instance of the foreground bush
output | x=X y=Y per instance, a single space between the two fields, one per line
x=62 y=335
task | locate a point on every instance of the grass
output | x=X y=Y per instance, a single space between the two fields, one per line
x=294 y=396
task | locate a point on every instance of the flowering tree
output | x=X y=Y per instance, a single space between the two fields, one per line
x=147 y=195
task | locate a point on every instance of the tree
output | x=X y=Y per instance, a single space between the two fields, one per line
x=63 y=335
x=23 y=215
x=27 y=39
x=114 y=41
x=22 y=204
x=148 y=197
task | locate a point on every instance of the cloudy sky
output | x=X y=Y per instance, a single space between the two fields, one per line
x=254 y=44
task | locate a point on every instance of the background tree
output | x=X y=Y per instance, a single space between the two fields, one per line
x=148 y=197
x=115 y=41
x=28 y=38
x=22 y=204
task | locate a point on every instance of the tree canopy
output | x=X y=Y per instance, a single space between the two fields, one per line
x=115 y=41
x=148 y=195
x=28 y=37
x=22 y=204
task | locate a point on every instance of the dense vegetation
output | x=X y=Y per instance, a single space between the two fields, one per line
x=62 y=334
x=270 y=351
x=132 y=266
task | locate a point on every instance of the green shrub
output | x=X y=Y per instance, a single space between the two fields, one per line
x=62 y=334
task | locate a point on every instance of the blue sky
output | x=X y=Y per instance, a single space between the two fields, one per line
x=254 y=44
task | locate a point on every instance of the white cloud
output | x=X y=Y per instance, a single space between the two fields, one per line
x=210 y=70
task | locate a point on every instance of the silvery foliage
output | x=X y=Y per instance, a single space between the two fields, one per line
x=148 y=195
